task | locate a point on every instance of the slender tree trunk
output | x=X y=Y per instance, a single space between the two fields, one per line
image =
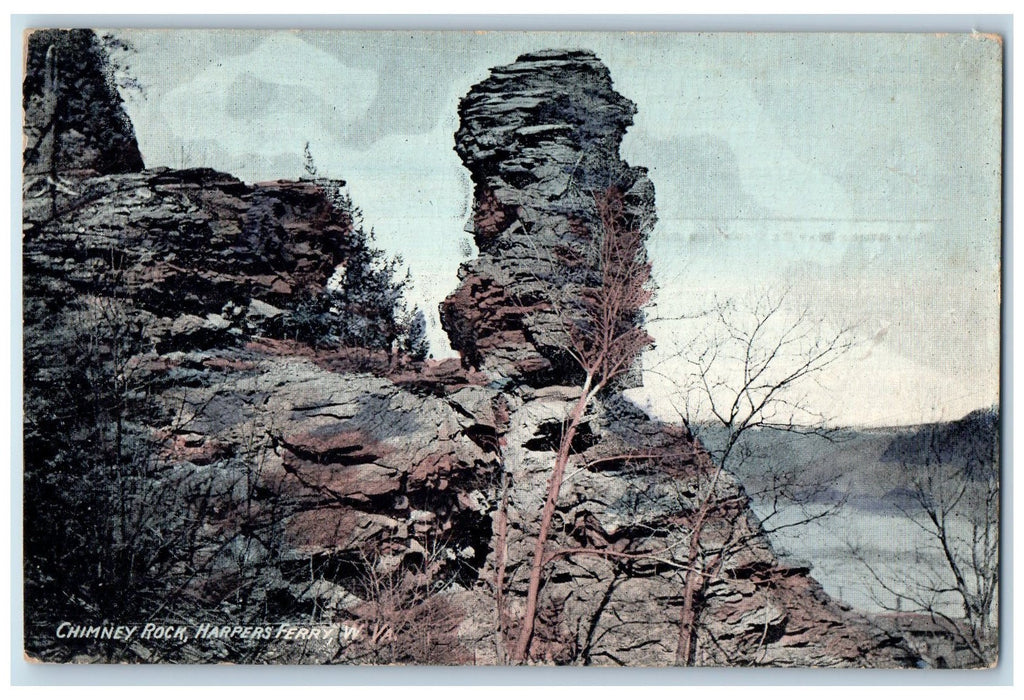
x=554 y=486
x=501 y=545
x=696 y=579
x=688 y=615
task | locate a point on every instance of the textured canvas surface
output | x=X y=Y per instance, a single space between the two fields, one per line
x=641 y=349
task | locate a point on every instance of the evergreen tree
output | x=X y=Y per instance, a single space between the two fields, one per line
x=416 y=344
x=364 y=305
x=308 y=164
x=368 y=299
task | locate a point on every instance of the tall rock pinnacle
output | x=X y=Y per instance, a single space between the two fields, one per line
x=541 y=139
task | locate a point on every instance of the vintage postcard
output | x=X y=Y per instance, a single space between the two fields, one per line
x=499 y=348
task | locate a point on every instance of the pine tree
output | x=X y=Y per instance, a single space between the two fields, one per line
x=308 y=164
x=416 y=344
x=364 y=306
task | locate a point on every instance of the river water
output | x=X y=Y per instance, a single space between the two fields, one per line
x=845 y=547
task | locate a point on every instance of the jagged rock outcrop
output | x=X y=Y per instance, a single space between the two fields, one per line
x=310 y=482
x=540 y=138
x=628 y=515
x=207 y=257
x=349 y=478
x=248 y=479
x=74 y=120
x=221 y=474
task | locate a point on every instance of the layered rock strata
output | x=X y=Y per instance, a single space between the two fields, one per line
x=628 y=515
x=204 y=254
x=307 y=490
x=540 y=138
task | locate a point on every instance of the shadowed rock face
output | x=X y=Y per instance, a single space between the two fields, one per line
x=298 y=462
x=312 y=487
x=540 y=138
x=191 y=245
x=74 y=119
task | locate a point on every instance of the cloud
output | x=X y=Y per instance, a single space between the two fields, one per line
x=703 y=119
x=269 y=100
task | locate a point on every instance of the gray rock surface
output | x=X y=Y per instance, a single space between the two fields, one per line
x=305 y=488
x=74 y=119
x=200 y=250
x=622 y=608
x=540 y=138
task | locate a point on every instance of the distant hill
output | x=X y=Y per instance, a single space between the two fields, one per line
x=974 y=436
x=865 y=466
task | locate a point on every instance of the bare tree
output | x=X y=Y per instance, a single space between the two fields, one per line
x=748 y=371
x=128 y=519
x=951 y=488
x=405 y=615
x=750 y=368
x=114 y=524
x=605 y=339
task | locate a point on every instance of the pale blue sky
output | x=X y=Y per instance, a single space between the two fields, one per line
x=860 y=170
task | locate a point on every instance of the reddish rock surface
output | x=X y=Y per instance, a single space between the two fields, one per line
x=322 y=485
x=540 y=138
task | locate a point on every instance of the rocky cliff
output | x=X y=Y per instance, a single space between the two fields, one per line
x=540 y=139
x=74 y=119
x=205 y=254
x=185 y=461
